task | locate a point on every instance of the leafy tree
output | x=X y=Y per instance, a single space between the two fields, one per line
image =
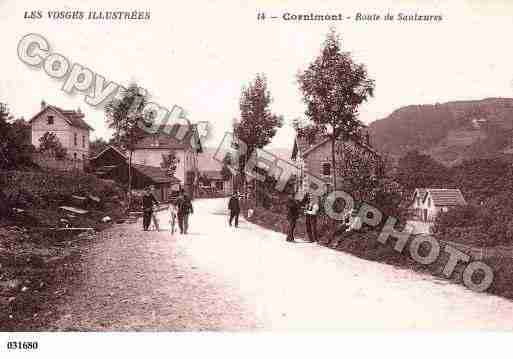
x=126 y=115
x=417 y=170
x=49 y=143
x=309 y=131
x=333 y=88
x=258 y=124
x=15 y=147
x=170 y=162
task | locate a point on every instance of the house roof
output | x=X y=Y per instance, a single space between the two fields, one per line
x=445 y=196
x=305 y=147
x=155 y=174
x=166 y=138
x=73 y=118
x=110 y=148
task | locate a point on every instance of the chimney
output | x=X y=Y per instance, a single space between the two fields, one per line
x=43 y=104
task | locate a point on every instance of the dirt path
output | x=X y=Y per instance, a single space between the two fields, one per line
x=222 y=278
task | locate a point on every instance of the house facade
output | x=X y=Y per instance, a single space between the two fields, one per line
x=428 y=203
x=154 y=148
x=68 y=126
x=314 y=158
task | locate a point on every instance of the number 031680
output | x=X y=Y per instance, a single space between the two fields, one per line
x=22 y=345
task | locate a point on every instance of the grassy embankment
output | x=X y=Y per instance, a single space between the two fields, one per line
x=364 y=244
x=38 y=264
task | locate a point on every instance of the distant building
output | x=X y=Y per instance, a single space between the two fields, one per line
x=153 y=149
x=69 y=127
x=214 y=182
x=112 y=163
x=313 y=156
x=428 y=203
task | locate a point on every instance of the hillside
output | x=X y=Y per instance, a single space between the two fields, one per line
x=449 y=132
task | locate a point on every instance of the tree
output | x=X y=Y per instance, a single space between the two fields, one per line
x=15 y=147
x=226 y=173
x=417 y=170
x=333 y=88
x=126 y=116
x=258 y=124
x=170 y=162
x=49 y=143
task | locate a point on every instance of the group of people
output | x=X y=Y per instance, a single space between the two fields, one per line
x=310 y=207
x=311 y=211
x=179 y=211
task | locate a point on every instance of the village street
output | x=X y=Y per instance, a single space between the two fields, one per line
x=222 y=278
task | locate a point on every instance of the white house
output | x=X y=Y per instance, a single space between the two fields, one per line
x=429 y=202
x=153 y=148
x=68 y=126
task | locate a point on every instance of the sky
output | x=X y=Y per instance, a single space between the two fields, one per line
x=198 y=55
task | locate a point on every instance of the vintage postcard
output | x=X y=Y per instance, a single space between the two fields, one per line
x=254 y=167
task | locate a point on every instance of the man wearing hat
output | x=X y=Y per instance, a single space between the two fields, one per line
x=148 y=201
x=234 y=208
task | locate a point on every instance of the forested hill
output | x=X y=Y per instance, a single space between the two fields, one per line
x=449 y=132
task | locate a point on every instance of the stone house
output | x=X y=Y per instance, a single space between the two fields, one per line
x=69 y=127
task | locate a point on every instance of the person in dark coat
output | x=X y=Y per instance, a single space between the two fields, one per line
x=292 y=216
x=148 y=201
x=311 y=212
x=185 y=209
x=234 y=208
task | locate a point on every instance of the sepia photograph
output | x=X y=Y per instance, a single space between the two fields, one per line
x=250 y=179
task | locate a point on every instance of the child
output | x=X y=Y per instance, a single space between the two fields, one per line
x=172 y=216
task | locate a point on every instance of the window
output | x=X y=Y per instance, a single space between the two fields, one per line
x=50 y=120
x=83 y=157
x=83 y=141
x=75 y=156
x=326 y=168
x=429 y=202
x=75 y=139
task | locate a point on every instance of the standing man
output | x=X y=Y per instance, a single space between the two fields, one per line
x=148 y=201
x=234 y=207
x=292 y=216
x=185 y=209
x=311 y=211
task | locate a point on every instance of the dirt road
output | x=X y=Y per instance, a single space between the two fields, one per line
x=222 y=278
